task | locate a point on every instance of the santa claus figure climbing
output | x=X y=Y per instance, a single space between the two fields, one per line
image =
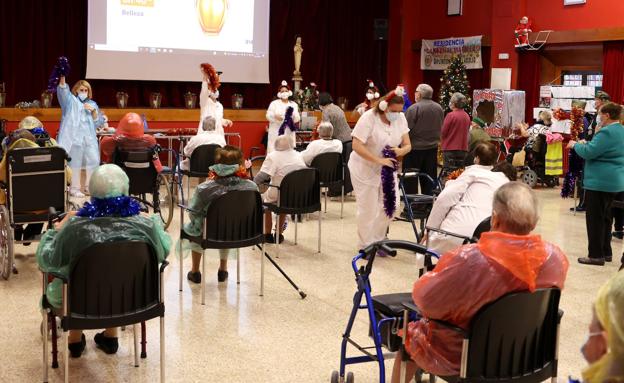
x=522 y=32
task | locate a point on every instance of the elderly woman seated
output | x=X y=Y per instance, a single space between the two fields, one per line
x=23 y=138
x=111 y=216
x=35 y=126
x=227 y=174
x=465 y=201
x=283 y=160
x=128 y=136
x=604 y=349
x=325 y=143
x=507 y=259
x=208 y=136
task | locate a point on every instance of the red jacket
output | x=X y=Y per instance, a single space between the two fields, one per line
x=455 y=131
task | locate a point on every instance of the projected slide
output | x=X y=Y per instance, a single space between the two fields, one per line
x=167 y=39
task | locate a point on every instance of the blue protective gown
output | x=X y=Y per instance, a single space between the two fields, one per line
x=77 y=131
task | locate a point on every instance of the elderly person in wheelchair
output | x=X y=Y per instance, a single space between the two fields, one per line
x=129 y=136
x=507 y=259
x=18 y=139
x=466 y=200
x=110 y=216
x=325 y=143
x=227 y=174
x=278 y=163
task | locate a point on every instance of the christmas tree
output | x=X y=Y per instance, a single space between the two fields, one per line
x=455 y=80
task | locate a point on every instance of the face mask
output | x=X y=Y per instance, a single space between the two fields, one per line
x=392 y=116
x=370 y=96
x=283 y=95
x=83 y=96
x=215 y=95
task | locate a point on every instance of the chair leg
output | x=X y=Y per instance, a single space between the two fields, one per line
x=180 y=249
x=52 y=321
x=277 y=233
x=296 y=221
x=136 y=344
x=319 y=231
x=203 y=280
x=342 y=201
x=238 y=266
x=162 y=348
x=66 y=351
x=143 y=341
x=46 y=322
x=262 y=270
x=325 y=198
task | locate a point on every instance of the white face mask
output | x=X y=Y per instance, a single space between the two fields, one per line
x=283 y=95
x=392 y=116
x=83 y=95
x=370 y=96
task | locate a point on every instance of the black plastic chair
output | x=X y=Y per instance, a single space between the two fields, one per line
x=201 y=159
x=331 y=173
x=111 y=284
x=29 y=171
x=233 y=220
x=298 y=193
x=145 y=179
x=513 y=339
x=483 y=227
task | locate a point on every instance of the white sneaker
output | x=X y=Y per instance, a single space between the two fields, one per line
x=76 y=193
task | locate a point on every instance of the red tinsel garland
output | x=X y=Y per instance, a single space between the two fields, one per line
x=576 y=116
x=181 y=132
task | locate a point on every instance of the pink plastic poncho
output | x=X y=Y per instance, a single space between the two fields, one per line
x=466 y=279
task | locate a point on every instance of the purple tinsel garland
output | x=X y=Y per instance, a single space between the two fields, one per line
x=575 y=170
x=387 y=182
x=61 y=68
x=122 y=206
x=288 y=122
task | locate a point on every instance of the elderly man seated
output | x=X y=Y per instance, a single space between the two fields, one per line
x=111 y=216
x=207 y=136
x=283 y=160
x=507 y=259
x=325 y=143
x=129 y=136
x=227 y=174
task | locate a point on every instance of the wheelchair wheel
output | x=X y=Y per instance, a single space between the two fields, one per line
x=529 y=177
x=163 y=201
x=350 y=378
x=335 y=377
x=550 y=182
x=6 y=244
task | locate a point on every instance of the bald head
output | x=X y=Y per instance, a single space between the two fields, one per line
x=515 y=209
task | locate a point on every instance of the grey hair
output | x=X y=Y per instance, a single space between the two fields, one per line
x=325 y=129
x=517 y=208
x=283 y=143
x=425 y=90
x=209 y=124
x=458 y=100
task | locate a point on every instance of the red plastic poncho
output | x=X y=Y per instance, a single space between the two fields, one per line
x=466 y=279
x=129 y=135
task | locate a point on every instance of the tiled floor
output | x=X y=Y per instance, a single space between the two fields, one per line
x=241 y=337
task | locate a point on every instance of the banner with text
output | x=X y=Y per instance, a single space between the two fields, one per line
x=437 y=54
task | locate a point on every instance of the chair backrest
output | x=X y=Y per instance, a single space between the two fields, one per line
x=234 y=219
x=112 y=284
x=202 y=158
x=300 y=192
x=139 y=166
x=483 y=227
x=515 y=337
x=330 y=167
x=36 y=179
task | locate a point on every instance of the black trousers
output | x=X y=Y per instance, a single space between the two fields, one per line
x=598 y=216
x=426 y=161
x=618 y=214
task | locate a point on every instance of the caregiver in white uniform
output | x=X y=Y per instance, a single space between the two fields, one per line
x=275 y=115
x=381 y=126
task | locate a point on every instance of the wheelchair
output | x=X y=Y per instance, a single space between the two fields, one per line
x=146 y=181
x=35 y=182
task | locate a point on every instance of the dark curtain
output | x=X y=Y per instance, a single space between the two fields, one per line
x=340 y=51
x=529 y=75
x=477 y=78
x=613 y=70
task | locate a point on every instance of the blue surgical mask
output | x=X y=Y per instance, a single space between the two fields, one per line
x=83 y=96
x=392 y=116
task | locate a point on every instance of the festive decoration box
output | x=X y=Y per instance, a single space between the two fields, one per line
x=500 y=109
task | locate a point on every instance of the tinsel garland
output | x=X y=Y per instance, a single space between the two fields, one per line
x=455 y=174
x=240 y=173
x=121 y=206
x=387 y=182
x=575 y=163
x=61 y=68
x=181 y=132
x=288 y=122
